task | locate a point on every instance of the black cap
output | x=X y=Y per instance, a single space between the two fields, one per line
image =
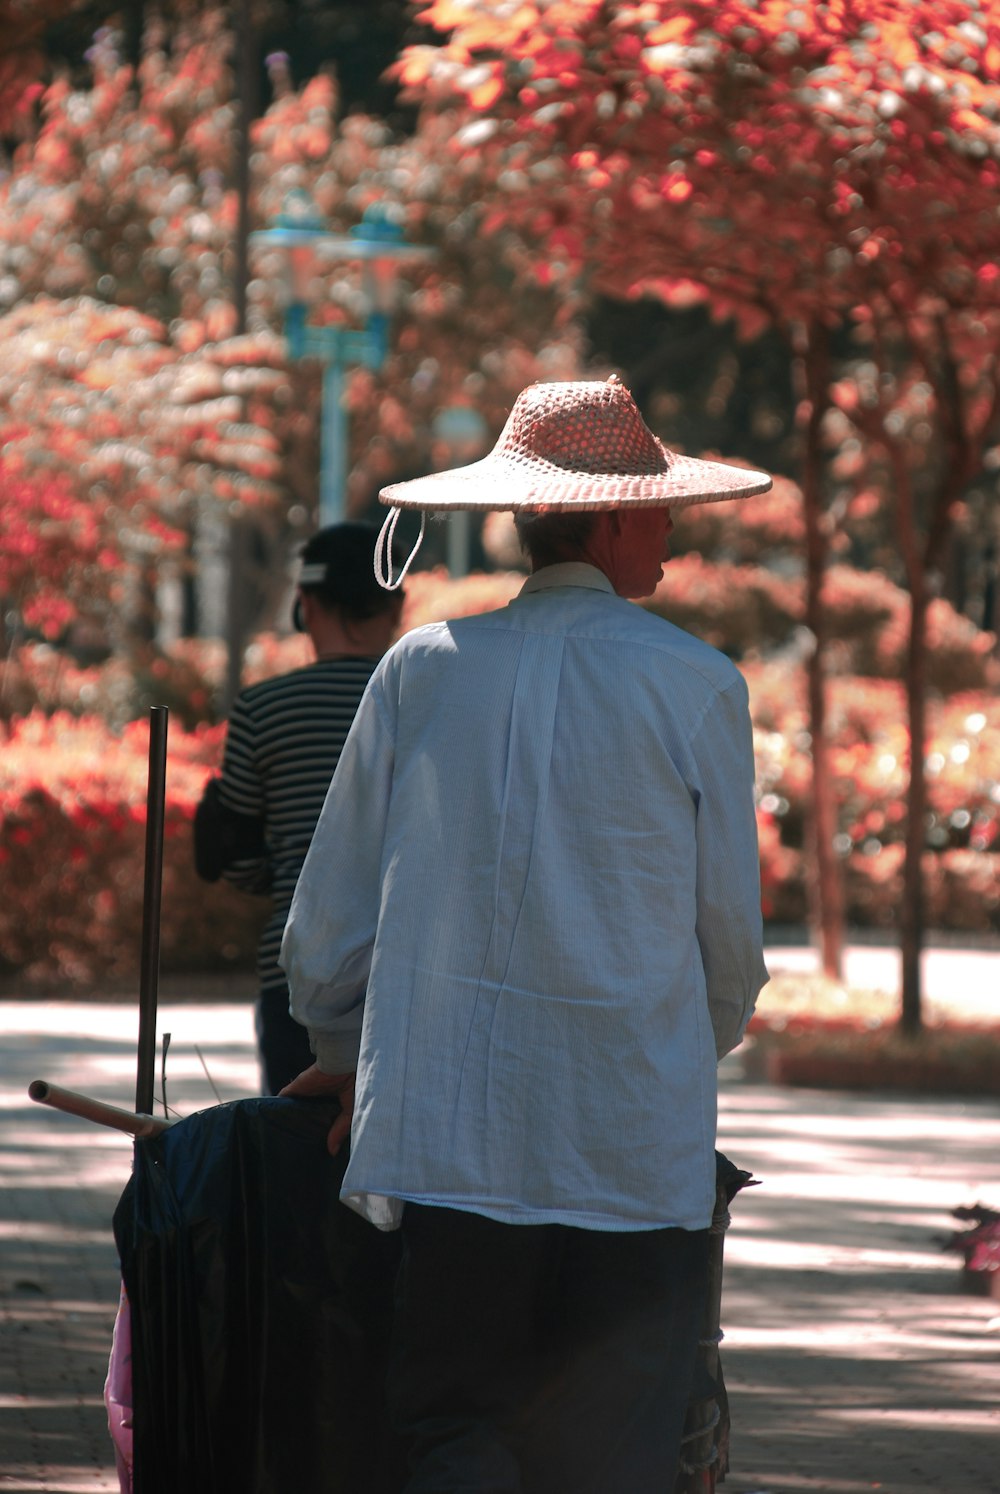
x=338 y=568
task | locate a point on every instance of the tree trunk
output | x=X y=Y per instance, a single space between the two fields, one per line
x=923 y=562
x=824 y=882
x=911 y=915
x=911 y=919
x=134 y=27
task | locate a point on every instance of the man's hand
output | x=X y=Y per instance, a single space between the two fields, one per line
x=311 y=1084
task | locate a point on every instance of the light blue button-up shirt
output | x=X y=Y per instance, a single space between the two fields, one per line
x=531 y=914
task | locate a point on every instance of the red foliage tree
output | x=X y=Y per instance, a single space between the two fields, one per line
x=121 y=205
x=810 y=167
x=110 y=438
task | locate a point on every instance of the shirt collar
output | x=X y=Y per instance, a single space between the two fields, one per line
x=568 y=573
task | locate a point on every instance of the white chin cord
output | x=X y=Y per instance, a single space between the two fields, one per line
x=383 y=551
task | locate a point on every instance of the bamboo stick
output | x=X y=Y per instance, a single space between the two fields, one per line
x=68 y=1100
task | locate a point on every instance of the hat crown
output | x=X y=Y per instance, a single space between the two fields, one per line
x=590 y=427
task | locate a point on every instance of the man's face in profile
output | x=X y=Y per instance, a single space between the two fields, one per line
x=643 y=549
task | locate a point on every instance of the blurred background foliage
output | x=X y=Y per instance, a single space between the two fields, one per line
x=147 y=405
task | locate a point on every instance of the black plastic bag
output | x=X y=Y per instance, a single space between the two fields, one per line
x=260 y=1308
x=222 y=835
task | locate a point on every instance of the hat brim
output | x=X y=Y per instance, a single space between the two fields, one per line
x=499 y=481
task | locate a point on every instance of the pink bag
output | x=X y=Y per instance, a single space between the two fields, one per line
x=118 y=1393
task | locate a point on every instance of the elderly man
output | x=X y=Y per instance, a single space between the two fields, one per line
x=529 y=924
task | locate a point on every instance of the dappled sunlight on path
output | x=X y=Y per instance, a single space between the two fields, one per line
x=854 y=1359
x=60 y=1179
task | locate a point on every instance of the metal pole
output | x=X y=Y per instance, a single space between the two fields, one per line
x=333 y=444
x=149 y=969
x=245 y=66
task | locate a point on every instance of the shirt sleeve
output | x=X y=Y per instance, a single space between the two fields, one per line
x=241 y=790
x=729 y=924
x=327 y=947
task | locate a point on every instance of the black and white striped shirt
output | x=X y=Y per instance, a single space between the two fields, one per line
x=284 y=738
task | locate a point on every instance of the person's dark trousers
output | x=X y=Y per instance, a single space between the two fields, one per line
x=282 y=1043
x=540 y=1359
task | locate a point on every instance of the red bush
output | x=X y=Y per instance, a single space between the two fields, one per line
x=870 y=761
x=741 y=532
x=432 y=596
x=72 y=853
x=73 y=806
x=72 y=789
x=734 y=607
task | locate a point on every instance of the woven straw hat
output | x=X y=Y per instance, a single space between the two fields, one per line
x=576 y=446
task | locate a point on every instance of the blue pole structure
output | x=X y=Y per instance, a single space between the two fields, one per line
x=295 y=329
x=459 y=538
x=333 y=443
x=376 y=239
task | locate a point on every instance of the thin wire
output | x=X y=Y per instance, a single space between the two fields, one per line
x=201 y=1058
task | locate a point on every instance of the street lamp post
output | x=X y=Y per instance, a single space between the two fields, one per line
x=377 y=244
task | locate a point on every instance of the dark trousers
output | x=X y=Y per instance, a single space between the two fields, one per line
x=540 y=1359
x=282 y=1043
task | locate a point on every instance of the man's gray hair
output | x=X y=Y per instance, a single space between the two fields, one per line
x=547 y=539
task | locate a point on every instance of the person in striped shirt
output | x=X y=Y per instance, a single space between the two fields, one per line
x=283 y=742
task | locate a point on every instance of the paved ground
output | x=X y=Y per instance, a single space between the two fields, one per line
x=854 y=1359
